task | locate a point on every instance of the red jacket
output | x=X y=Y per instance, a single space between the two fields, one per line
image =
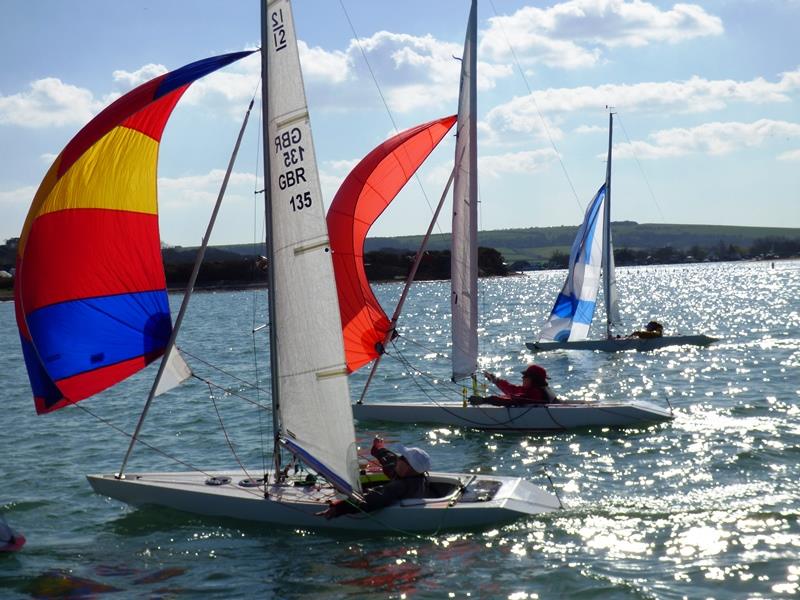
x=517 y=394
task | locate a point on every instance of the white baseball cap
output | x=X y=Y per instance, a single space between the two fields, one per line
x=418 y=459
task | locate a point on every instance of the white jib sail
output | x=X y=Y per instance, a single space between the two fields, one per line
x=314 y=398
x=175 y=371
x=464 y=243
x=574 y=307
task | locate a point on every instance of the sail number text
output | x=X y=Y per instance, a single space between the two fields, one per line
x=278 y=30
x=287 y=145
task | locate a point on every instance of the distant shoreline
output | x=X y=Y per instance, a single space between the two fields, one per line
x=7 y=295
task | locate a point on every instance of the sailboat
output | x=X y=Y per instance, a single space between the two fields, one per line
x=87 y=328
x=592 y=254
x=363 y=196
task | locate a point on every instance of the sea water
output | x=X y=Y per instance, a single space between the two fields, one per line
x=703 y=507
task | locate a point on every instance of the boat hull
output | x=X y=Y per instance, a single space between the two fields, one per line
x=621 y=344
x=295 y=506
x=537 y=417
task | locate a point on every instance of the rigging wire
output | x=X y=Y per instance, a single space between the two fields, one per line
x=639 y=164
x=230 y=393
x=225 y=432
x=383 y=99
x=221 y=370
x=538 y=111
x=155 y=449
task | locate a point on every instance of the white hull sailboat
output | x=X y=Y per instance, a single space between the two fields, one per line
x=591 y=264
x=533 y=417
x=365 y=321
x=114 y=319
x=463 y=501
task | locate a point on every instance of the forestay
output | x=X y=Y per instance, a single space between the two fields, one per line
x=574 y=307
x=464 y=246
x=313 y=400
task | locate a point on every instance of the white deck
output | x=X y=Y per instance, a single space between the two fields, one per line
x=620 y=344
x=295 y=506
x=536 y=417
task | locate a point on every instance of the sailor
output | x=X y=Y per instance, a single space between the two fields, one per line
x=653 y=329
x=534 y=389
x=407 y=472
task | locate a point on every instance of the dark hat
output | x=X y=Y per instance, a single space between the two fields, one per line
x=535 y=372
x=654 y=326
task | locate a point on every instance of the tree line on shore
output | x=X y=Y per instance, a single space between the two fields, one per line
x=228 y=269
x=762 y=249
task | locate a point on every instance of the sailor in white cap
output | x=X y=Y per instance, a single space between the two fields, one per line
x=406 y=469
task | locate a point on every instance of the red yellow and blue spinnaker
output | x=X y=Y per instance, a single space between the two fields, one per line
x=90 y=292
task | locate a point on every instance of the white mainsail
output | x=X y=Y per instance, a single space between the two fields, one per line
x=312 y=407
x=464 y=244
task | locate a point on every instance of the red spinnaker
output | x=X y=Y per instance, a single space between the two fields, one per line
x=361 y=199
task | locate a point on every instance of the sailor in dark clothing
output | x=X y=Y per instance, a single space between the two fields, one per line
x=407 y=479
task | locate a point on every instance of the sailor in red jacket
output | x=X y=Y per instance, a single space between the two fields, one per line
x=534 y=389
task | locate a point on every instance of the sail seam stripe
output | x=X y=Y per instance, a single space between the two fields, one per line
x=295 y=118
x=303 y=249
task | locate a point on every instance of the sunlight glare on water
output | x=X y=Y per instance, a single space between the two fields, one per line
x=704 y=506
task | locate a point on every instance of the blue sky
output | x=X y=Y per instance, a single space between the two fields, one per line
x=707 y=95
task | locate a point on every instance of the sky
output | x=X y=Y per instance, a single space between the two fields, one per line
x=706 y=98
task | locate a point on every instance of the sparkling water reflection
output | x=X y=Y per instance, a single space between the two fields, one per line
x=705 y=506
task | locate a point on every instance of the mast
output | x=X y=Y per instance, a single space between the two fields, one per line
x=273 y=346
x=608 y=258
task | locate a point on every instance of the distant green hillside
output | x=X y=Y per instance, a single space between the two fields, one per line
x=537 y=244
x=534 y=244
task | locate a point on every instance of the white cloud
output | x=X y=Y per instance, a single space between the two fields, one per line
x=571 y=34
x=589 y=129
x=199 y=190
x=48 y=102
x=791 y=155
x=23 y=195
x=331 y=175
x=694 y=95
x=413 y=71
x=14 y=205
x=131 y=79
x=333 y=67
x=710 y=138
x=495 y=166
